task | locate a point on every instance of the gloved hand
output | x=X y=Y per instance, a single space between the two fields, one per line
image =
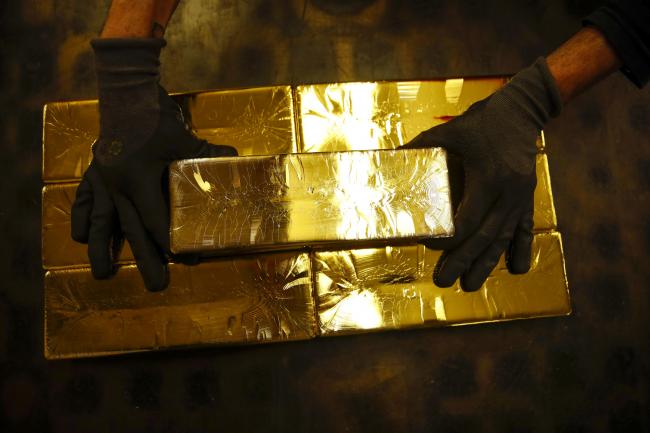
x=141 y=131
x=495 y=139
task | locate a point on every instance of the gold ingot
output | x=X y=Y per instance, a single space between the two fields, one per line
x=244 y=300
x=254 y=121
x=544 y=218
x=383 y=115
x=69 y=130
x=257 y=121
x=391 y=288
x=287 y=201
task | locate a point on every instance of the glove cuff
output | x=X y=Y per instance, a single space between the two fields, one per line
x=128 y=73
x=536 y=91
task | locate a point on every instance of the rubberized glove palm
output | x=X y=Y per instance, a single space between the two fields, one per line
x=125 y=188
x=495 y=139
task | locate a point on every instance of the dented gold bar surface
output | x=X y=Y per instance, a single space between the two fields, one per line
x=283 y=201
x=258 y=121
x=259 y=299
x=391 y=288
x=255 y=121
x=383 y=115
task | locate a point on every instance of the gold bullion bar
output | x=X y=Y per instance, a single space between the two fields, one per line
x=391 y=288
x=258 y=121
x=383 y=115
x=261 y=203
x=59 y=250
x=69 y=130
x=255 y=121
x=267 y=298
x=544 y=218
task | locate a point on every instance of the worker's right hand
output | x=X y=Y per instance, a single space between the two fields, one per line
x=495 y=140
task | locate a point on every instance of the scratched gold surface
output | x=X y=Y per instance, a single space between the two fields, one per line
x=391 y=288
x=243 y=300
x=283 y=201
x=383 y=115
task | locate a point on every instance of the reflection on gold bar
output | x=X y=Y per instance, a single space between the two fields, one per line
x=382 y=115
x=544 y=212
x=58 y=248
x=273 y=202
x=69 y=130
x=256 y=121
x=259 y=299
x=391 y=288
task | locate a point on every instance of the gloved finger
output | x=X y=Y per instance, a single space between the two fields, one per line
x=150 y=261
x=100 y=239
x=439 y=136
x=459 y=260
x=473 y=279
x=81 y=210
x=151 y=203
x=478 y=198
x=196 y=148
x=186 y=259
x=519 y=253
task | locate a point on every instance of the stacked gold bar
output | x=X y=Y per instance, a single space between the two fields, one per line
x=285 y=295
x=262 y=203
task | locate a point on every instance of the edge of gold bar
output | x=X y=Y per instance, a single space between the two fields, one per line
x=275 y=202
x=391 y=288
x=256 y=121
x=58 y=249
x=244 y=300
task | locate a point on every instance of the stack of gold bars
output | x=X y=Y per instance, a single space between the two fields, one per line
x=285 y=291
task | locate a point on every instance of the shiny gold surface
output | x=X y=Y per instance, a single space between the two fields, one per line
x=258 y=121
x=391 y=288
x=58 y=248
x=269 y=202
x=332 y=117
x=259 y=299
x=544 y=217
x=69 y=130
x=382 y=115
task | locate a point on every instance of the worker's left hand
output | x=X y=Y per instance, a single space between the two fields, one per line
x=495 y=139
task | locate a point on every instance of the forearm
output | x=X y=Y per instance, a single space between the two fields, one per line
x=582 y=61
x=138 y=19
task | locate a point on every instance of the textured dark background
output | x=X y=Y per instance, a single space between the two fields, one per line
x=584 y=373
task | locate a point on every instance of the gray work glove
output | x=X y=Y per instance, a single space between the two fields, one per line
x=495 y=139
x=125 y=189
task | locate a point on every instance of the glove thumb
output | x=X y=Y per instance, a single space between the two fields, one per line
x=438 y=136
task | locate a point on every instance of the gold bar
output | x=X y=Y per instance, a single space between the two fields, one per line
x=383 y=115
x=391 y=288
x=544 y=218
x=255 y=121
x=258 y=121
x=259 y=203
x=69 y=130
x=267 y=298
x=58 y=248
